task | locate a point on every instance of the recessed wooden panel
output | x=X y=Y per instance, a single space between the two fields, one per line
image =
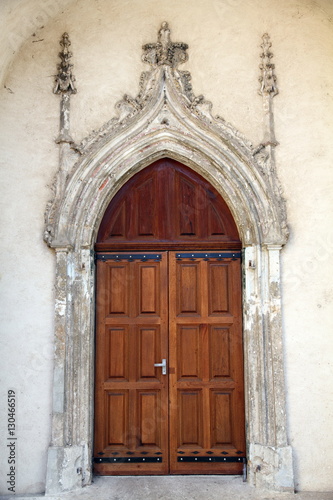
x=117 y=418
x=219 y=352
x=187 y=208
x=118 y=227
x=164 y=205
x=188 y=345
x=118 y=352
x=188 y=288
x=145 y=208
x=149 y=351
x=221 y=427
x=190 y=418
x=215 y=223
x=148 y=289
x=118 y=289
x=218 y=288
x=149 y=422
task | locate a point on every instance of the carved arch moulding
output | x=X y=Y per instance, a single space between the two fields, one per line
x=166 y=119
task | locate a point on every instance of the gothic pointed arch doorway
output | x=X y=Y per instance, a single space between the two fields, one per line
x=169 y=392
x=166 y=119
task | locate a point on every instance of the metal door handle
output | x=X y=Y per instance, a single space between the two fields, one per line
x=163 y=365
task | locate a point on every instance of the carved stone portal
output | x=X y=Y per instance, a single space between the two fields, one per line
x=166 y=119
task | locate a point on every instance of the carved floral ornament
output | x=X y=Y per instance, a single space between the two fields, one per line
x=165 y=51
x=167 y=116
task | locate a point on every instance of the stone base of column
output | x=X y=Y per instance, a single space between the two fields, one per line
x=64 y=469
x=271 y=467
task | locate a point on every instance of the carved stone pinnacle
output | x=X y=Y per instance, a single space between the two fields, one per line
x=165 y=52
x=267 y=78
x=64 y=81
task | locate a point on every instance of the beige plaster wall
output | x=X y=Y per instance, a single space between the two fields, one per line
x=224 y=38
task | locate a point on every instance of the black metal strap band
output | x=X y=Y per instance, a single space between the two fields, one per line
x=127 y=460
x=212 y=459
x=128 y=256
x=209 y=255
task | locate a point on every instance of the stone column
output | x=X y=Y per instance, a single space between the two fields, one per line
x=270 y=457
x=69 y=456
x=62 y=456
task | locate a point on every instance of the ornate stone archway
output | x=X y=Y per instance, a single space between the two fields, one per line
x=166 y=119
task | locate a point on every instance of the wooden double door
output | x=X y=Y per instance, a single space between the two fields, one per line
x=169 y=364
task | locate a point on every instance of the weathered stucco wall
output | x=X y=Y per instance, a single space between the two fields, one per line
x=224 y=38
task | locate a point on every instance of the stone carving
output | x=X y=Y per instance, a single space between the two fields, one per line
x=162 y=90
x=167 y=119
x=230 y=132
x=267 y=78
x=264 y=152
x=165 y=51
x=268 y=89
x=48 y=231
x=164 y=58
x=158 y=55
x=64 y=85
x=64 y=82
x=67 y=158
x=262 y=156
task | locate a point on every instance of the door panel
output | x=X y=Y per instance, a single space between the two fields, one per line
x=164 y=206
x=131 y=407
x=116 y=408
x=188 y=291
x=116 y=340
x=206 y=376
x=218 y=289
x=184 y=308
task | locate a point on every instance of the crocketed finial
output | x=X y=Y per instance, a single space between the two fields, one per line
x=64 y=80
x=165 y=52
x=267 y=78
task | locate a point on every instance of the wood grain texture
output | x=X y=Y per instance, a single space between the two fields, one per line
x=187 y=311
x=167 y=205
x=131 y=396
x=205 y=350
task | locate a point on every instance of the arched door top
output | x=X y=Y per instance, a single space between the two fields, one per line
x=165 y=119
x=167 y=205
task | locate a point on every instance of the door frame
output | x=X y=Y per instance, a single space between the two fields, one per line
x=266 y=427
x=169 y=122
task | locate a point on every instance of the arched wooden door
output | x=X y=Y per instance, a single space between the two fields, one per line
x=169 y=359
